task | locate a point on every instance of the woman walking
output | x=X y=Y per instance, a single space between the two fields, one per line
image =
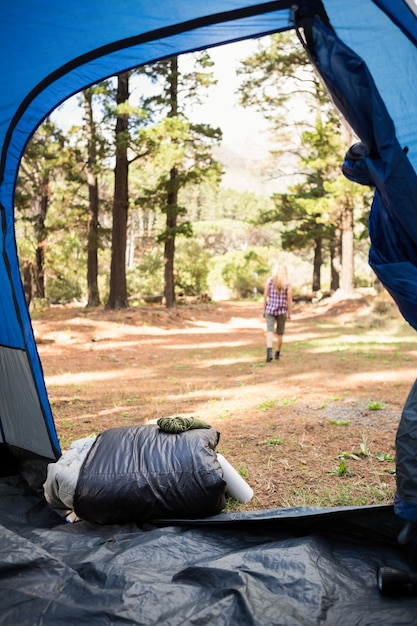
x=277 y=308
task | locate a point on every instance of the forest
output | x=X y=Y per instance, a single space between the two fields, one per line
x=128 y=206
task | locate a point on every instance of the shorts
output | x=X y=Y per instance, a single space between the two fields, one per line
x=279 y=320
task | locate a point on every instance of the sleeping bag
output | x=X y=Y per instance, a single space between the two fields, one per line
x=138 y=473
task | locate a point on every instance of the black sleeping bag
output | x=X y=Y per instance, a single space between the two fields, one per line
x=139 y=473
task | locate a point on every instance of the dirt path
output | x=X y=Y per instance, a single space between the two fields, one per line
x=288 y=426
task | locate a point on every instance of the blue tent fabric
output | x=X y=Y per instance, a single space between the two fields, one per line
x=277 y=567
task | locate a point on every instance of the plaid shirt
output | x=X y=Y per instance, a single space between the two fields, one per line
x=277 y=303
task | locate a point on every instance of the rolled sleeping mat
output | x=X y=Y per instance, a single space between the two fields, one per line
x=236 y=486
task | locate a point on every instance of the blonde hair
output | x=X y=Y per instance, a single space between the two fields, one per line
x=280 y=277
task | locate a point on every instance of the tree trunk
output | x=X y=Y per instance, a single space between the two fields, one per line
x=335 y=261
x=118 y=286
x=317 y=263
x=27 y=280
x=40 y=230
x=130 y=243
x=347 y=277
x=169 y=247
x=93 y=205
x=172 y=200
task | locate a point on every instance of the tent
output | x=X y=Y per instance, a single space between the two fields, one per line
x=274 y=567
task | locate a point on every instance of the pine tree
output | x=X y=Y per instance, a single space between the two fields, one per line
x=183 y=147
x=43 y=162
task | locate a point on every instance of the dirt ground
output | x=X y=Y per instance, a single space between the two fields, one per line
x=315 y=428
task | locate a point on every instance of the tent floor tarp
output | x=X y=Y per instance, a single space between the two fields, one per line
x=282 y=566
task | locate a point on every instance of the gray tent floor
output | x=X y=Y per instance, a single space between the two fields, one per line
x=282 y=566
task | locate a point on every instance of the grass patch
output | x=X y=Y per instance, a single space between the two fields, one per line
x=287 y=401
x=267 y=404
x=374 y=405
x=275 y=441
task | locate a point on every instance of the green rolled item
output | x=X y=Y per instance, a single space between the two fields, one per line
x=179 y=424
